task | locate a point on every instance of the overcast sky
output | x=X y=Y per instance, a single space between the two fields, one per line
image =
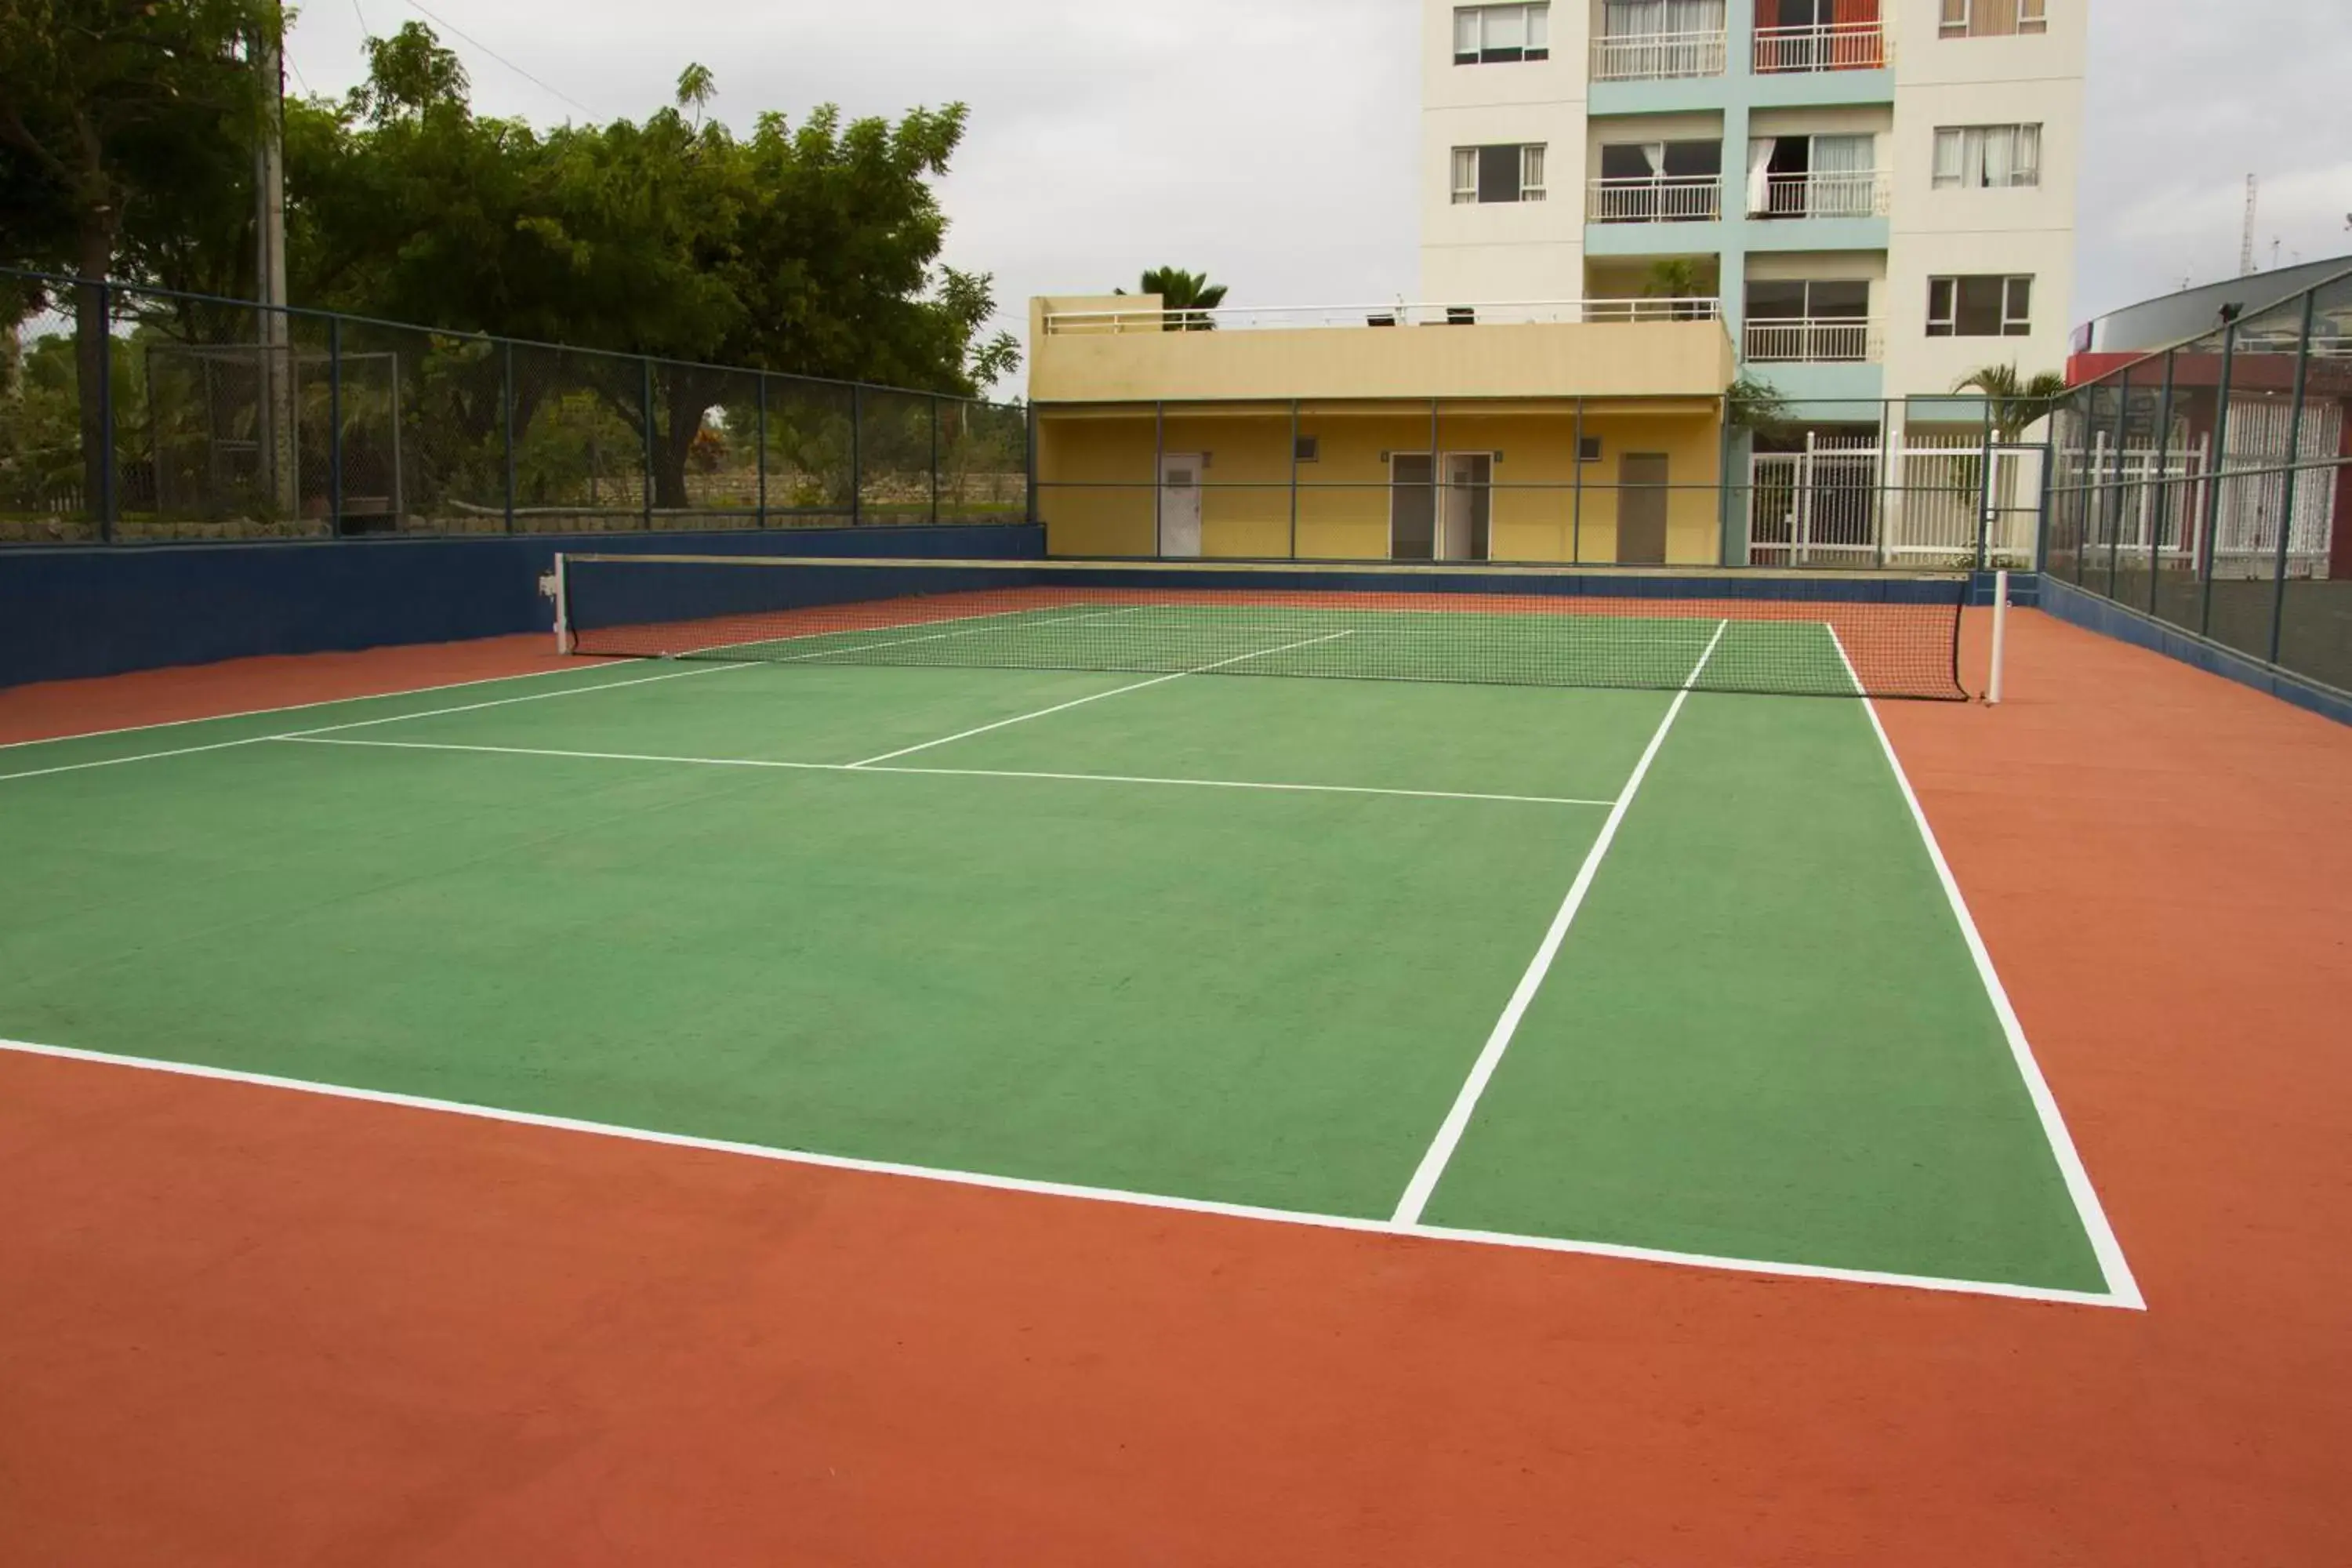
x=1272 y=142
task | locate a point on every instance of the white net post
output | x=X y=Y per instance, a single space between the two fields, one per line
x=557 y=586
x=2000 y=636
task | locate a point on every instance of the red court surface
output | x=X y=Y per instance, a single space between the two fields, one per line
x=245 y=1326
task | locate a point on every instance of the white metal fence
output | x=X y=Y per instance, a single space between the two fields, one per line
x=1816 y=341
x=1852 y=193
x=2149 y=506
x=1649 y=57
x=1832 y=47
x=1920 y=499
x=1662 y=198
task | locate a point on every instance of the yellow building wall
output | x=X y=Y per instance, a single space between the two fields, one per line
x=1096 y=497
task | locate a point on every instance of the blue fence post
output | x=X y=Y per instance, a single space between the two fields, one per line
x=110 y=502
x=335 y=426
x=857 y=454
x=760 y=432
x=935 y=459
x=2213 y=480
x=646 y=367
x=507 y=425
x=1029 y=422
x=2293 y=456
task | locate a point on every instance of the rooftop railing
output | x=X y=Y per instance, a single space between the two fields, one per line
x=1397 y=313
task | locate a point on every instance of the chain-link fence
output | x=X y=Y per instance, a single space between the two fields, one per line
x=2209 y=486
x=132 y=414
x=1950 y=483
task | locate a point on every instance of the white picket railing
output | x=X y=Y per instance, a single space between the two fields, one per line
x=2141 y=504
x=1652 y=56
x=1845 y=502
x=1658 y=198
x=1852 y=192
x=1816 y=341
x=1833 y=46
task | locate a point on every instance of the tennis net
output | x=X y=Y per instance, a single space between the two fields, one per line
x=1793 y=634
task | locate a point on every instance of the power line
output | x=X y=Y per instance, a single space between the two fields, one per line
x=494 y=54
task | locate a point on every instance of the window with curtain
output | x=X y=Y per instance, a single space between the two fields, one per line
x=1845 y=176
x=1980 y=307
x=1498 y=35
x=1653 y=18
x=1988 y=157
x=1992 y=18
x=1465 y=175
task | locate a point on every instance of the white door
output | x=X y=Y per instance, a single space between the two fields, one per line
x=1462 y=507
x=1180 y=503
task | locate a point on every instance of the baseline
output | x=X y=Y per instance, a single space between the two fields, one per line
x=1038 y=1188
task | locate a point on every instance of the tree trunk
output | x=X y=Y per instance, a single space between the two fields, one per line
x=93 y=348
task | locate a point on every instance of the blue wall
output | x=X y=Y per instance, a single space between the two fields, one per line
x=70 y=612
x=2093 y=613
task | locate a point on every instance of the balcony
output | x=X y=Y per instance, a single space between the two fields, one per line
x=1661 y=198
x=1832 y=47
x=1859 y=192
x=1658 y=56
x=1816 y=341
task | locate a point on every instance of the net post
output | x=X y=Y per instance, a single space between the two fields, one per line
x=2000 y=636
x=562 y=579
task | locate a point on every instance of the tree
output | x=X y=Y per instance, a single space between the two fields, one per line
x=1185 y=298
x=2017 y=404
x=1682 y=280
x=113 y=106
x=1751 y=403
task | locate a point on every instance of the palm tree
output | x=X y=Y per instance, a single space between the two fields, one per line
x=2017 y=404
x=1186 y=297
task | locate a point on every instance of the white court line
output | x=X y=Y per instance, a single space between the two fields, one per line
x=1418 y=1191
x=1097 y=697
x=367 y=723
x=1304 y=1219
x=942 y=772
x=2113 y=1266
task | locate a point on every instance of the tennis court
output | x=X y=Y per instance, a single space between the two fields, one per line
x=1571 y=946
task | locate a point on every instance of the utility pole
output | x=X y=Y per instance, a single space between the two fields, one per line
x=275 y=337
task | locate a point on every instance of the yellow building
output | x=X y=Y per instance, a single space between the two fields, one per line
x=1312 y=436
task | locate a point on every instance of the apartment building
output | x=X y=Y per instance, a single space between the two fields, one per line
x=1876 y=195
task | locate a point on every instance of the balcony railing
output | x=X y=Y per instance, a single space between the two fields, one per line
x=1661 y=198
x=1859 y=194
x=1833 y=46
x=1063 y=324
x=1816 y=341
x=1654 y=57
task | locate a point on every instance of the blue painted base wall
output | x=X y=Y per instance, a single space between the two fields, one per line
x=2103 y=615
x=66 y=614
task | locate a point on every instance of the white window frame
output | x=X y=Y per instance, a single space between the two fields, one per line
x=1470 y=32
x=1961 y=162
x=1464 y=172
x=2014 y=322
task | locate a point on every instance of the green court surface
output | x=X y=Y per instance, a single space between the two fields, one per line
x=1049 y=935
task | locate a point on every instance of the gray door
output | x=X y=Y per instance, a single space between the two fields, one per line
x=1412 y=507
x=1642 y=509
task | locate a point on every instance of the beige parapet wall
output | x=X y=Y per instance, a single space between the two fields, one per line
x=1112 y=350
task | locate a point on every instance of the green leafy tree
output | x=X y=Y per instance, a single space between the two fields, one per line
x=1184 y=297
x=2018 y=403
x=120 y=121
